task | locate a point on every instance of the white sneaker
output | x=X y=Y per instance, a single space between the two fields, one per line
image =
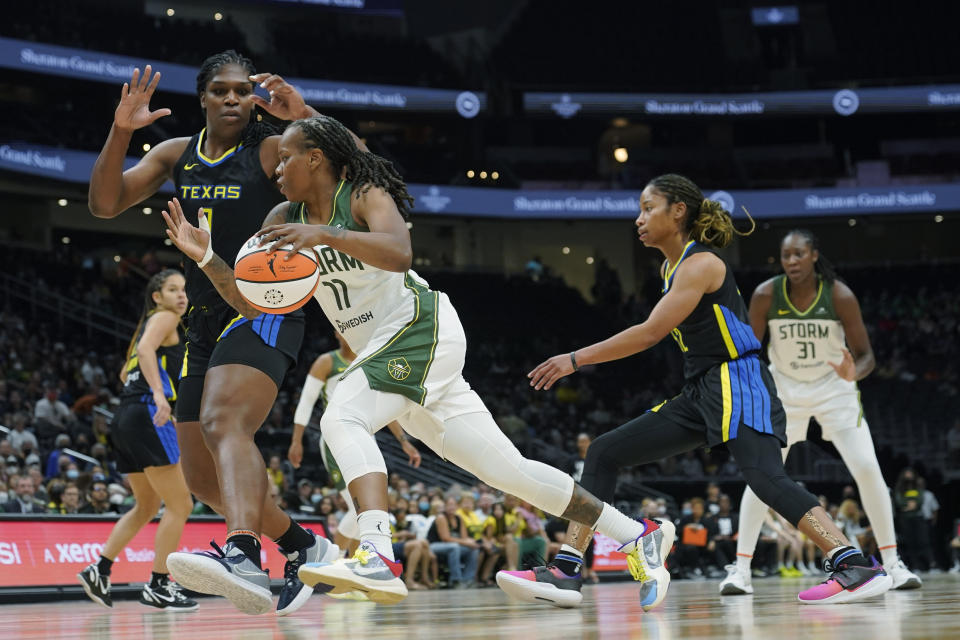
x=903 y=578
x=737 y=583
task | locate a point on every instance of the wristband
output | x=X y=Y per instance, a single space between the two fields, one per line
x=573 y=360
x=207 y=256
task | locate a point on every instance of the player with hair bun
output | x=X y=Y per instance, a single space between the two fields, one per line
x=728 y=397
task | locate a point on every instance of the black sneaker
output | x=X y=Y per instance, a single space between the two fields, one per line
x=294 y=593
x=167 y=597
x=543 y=584
x=228 y=573
x=96 y=586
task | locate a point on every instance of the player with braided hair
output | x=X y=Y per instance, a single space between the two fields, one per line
x=346 y=204
x=233 y=367
x=813 y=318
x=727 y=398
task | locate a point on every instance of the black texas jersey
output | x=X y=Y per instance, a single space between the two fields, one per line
x=236 y=197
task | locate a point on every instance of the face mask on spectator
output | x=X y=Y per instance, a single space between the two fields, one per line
x=424 y=506
x=73 y=474
x=116 y=498
x=316 y=498
x=687 y=512
x=4 y=496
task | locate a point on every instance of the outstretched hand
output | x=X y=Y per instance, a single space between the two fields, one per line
x=192 y=240
x=285 y=102
x=133 y=112
x=549 y=371
x=847 y=368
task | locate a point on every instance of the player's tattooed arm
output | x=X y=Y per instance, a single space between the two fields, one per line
x=195 y=243
x=222 y=276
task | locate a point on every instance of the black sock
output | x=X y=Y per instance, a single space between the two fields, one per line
x=568 y=562
x=158 y=580
x=103 y=566
x=849 y=555
x=248 y=544
x=294 y=538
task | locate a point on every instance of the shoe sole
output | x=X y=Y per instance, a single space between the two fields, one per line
x=157 y=607
x=331 y=554
x=206 y=575
x=356 y=596
x=733 y=590
x=875 y=587
x=90 y=594
x=538 y=592
x=909 y=583
x=331 y=574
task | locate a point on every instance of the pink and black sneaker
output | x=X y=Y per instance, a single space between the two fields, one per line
x=848 y=583
x=543 y=585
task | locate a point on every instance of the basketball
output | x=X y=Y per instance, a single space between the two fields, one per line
x=271 y=283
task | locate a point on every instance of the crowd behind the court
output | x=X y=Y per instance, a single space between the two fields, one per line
x=58 y=384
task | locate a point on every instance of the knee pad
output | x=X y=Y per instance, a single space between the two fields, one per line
x=352 y=443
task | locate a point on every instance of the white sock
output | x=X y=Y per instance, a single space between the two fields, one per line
x=570 y=551
x=889 y=556
x=614 y=524
x=743 y=564
x=375 y=531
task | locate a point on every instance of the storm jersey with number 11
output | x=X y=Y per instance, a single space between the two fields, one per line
x=236 y=196
x=803 y=343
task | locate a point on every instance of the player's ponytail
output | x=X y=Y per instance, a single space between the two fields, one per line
x=154 y=284
x=823 y=267
x=364 y=169
x=707 y=221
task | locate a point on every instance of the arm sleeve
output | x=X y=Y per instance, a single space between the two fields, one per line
x=308 y=398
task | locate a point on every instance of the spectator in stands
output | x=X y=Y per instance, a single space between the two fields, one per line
x=10 y=455
x=51 y=411
x=53 y=460
x=97 y=499
x=930 y=508
x=407 y=548
x=913 y=527
x=575 y=468
x=24 y=500
x=448 y=539
x=20 y=435
x=696 y=541
x=851 y=521
x=275 y=473
x=725 y=524
x=530 y=535
x=69 y=499
x=690 y=465
x=712 y=502
x=40 y=491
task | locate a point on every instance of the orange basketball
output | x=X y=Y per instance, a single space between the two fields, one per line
x=273 y=284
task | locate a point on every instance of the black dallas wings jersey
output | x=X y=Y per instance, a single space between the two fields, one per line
x=235 y=195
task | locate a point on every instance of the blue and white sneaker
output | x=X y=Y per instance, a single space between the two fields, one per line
x=228 y=573
x=294 y=593
x=646 y=560
x=367 y=572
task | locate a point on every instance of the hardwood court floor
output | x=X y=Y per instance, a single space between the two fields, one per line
x=692 y=610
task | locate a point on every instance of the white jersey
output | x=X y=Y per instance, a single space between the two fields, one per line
x=803 y=343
